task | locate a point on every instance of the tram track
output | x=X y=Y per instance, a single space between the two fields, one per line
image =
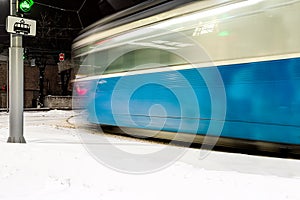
x=197 y=142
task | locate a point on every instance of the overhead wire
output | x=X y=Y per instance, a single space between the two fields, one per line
x=55 y=7
x=78 y=14
x=66 y=10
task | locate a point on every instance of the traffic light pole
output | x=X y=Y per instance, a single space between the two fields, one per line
x=16 y=85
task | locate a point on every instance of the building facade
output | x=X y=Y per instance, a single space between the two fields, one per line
x=52 y=83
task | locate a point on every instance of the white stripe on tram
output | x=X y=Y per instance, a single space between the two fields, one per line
x=191 y=66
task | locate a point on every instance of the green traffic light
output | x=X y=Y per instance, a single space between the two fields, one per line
x=25 y=5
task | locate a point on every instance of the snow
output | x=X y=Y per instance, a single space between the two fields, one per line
x=56 y=164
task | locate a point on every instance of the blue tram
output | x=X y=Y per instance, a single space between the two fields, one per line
x=220 y=68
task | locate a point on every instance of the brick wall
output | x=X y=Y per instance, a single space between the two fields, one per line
x=3 y=72
x=3 y=78
x=31 y=82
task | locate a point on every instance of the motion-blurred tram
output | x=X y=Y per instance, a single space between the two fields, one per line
x=228 y=69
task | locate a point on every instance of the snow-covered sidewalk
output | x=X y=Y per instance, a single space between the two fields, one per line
x=54 y=164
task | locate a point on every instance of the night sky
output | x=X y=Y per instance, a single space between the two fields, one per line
x=71 y=15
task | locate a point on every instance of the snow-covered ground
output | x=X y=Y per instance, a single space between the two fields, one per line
x=56 y=164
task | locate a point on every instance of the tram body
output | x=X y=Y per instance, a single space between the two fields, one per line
x=218 y=68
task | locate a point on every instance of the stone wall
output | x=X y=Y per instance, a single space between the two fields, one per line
x=58 y=102
x=65 y=102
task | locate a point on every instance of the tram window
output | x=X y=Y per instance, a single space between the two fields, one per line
x=144 y=59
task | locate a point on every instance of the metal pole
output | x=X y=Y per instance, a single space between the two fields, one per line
x=7 y=83
x=16 y=85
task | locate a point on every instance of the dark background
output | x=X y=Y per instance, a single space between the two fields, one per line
x=59 y=22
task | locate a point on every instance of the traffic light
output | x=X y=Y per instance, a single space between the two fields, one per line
x=24 y=6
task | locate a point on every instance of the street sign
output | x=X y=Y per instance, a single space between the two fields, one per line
x=22 y=26
x=61 y=57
